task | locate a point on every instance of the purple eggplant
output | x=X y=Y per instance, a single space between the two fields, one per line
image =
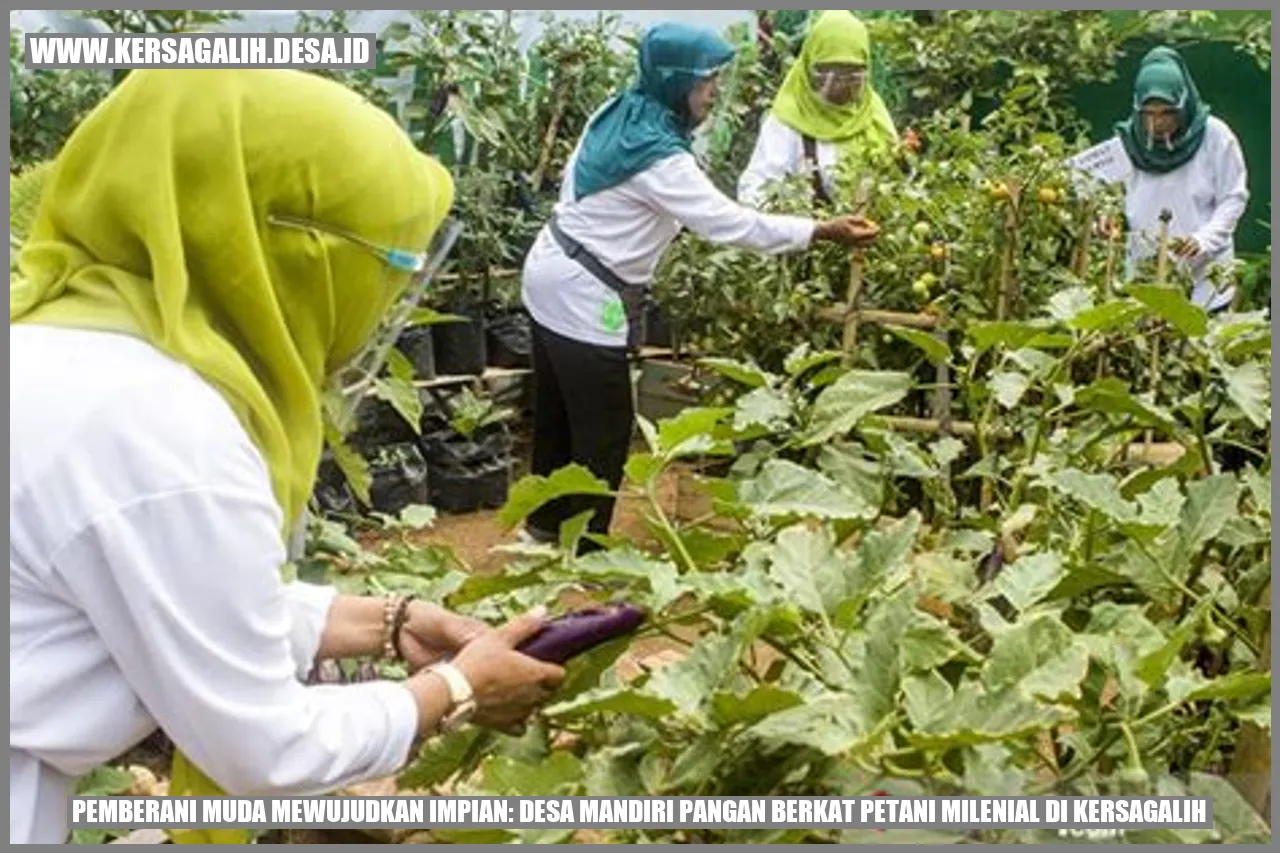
x=574 y=633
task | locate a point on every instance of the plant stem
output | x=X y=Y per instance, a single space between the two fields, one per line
x=681 y=551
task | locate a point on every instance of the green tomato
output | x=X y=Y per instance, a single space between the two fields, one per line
x=920 y=287
x=921 y=229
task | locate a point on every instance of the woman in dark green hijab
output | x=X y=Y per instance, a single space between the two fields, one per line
x=1187 y=161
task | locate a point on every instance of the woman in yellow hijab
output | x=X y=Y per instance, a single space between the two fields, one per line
x=210 y=248
x=825 y=111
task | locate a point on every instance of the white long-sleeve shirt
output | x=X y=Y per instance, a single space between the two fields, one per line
x=628 y=228
x=779 y=153
x=145 y=592
x=1207 y=195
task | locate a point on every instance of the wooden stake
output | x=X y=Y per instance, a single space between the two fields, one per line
x=1162 y=274
x=857 y=261
x=553 y=128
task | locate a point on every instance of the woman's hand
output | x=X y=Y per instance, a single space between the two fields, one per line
x=431 y=634
x=508 y=685
x=851 y=231
x=1186 y=248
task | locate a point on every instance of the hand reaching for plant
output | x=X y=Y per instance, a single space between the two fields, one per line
x=431 y=634
x=508 y=685
x=1186 y=248
x=847 y=230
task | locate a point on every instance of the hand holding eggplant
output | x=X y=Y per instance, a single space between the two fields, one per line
x=508 y=686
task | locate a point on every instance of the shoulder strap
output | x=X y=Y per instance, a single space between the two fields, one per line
x=811 y=159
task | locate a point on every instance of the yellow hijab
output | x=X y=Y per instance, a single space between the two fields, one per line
x=836 y=36
x=154 y=222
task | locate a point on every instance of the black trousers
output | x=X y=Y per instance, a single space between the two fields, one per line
x=583 y=413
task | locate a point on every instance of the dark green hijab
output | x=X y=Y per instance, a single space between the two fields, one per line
x=1163 y=76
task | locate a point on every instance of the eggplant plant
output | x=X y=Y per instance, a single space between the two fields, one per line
x=1097 y=630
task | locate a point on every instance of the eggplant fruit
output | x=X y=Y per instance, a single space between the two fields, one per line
x=574 y=633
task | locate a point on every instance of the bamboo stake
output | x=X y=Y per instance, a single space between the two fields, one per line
x=1162 y=273
x=1108 y=283
x=1084 y=241
x=840 y=314
x=553 y=128
x=857 y=261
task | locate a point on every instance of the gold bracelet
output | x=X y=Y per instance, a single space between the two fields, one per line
x=390 y=607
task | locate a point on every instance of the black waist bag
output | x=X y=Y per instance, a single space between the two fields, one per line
x=632 y=295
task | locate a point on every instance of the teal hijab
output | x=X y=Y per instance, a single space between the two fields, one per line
x=650 y=121
x=1163 y=76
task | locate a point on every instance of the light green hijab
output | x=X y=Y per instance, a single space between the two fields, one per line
x=161 y=218
x=836 y=36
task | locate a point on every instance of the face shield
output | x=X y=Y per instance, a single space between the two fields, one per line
x=349 y=381
x=840 y=85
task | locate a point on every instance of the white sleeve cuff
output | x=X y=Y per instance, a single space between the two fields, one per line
x=402 y=726
x=309 y=605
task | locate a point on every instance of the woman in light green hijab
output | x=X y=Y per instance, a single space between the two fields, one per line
x=210 y=249
x=825 y=111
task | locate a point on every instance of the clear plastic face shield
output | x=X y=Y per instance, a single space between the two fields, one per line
x=349 y=382
x=838 y=84
x=1160 y=121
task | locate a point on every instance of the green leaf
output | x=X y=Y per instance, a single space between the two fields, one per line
x=731 y=709
x=1258 y=715
x=691 y=681
x=1210 y=503
x=534 y=491
x=830 y=724
x=1065 y=305
x=935 y=350
x=741 y=372
x=354 y=467
x=1250 y=389
x=559 y=775
x=1234 y=820
x=403 y=397
x=104 y=781
x=1260 y=487
x=439 y=759
x=1009 y=387
x=1237 y=685
x=763 y=407
x=695 y=765
x=1153 y=667
x=1111 y=396
x=883 y=553
x=806 y=565
x=1100 y=492
x=1030 y=579
x=926 y=696
x=611 y=700
x=785 y=489
x=642 y=468
x=1038 y=657
x=1012 y=335
x=1107 y=316
x=417 y=516
x=691 y=431
x=399 y=366
x=584 y=672
x=926 y=644
x=1172 y=305
x=802 y=359
x=977 y=716
x=841 y=406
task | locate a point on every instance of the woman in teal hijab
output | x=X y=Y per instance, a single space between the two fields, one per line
x=655 y=118
x=630 y=187
x=1188 y=161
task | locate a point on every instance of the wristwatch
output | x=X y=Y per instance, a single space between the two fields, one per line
x=461 y=698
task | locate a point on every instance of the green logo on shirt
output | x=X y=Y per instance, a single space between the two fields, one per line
x=613 y=316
